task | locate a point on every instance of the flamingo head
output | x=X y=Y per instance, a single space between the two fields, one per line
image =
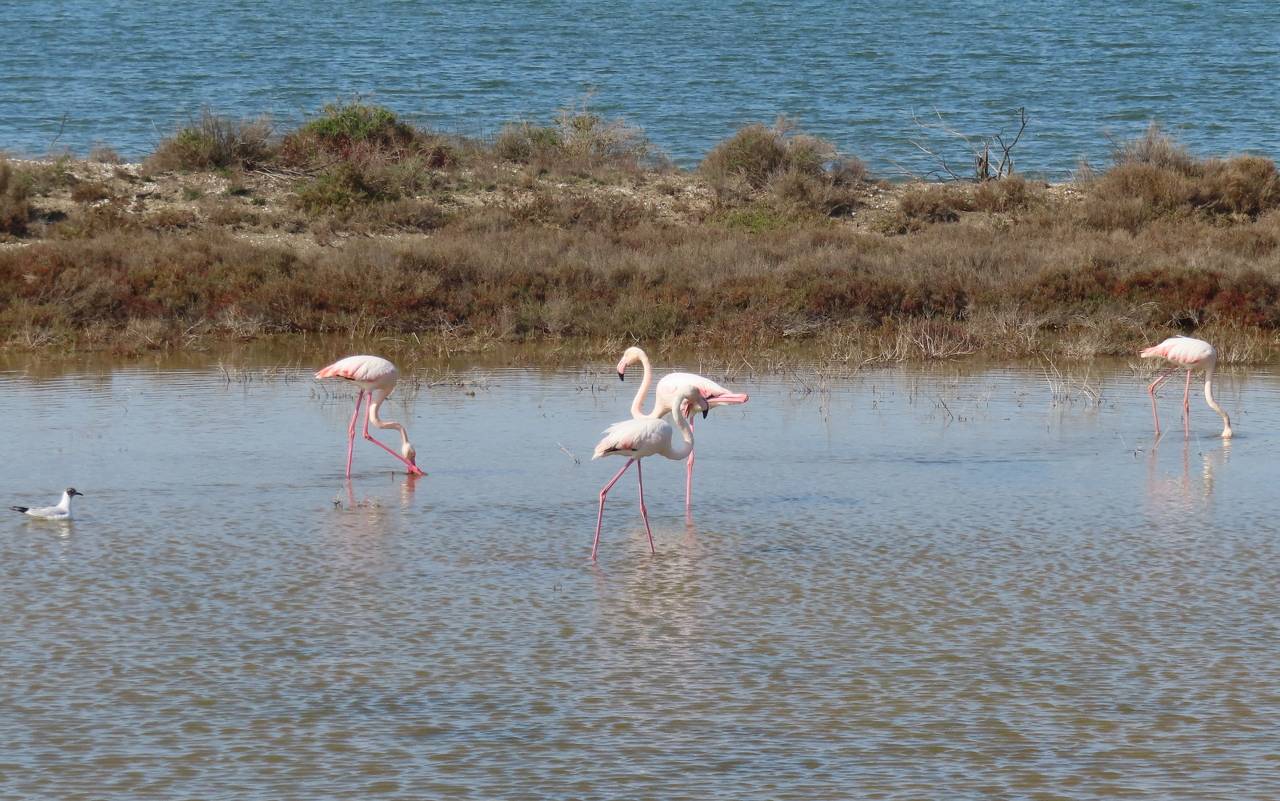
x=690 y=399
x=629 y=357
x=410 y=455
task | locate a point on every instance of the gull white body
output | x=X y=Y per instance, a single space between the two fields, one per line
x=61 y=511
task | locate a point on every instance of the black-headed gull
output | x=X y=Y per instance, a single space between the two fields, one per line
x=60 y=512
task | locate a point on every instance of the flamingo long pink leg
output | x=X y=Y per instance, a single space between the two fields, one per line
x=644 y=513
x=413 y=468
x=688 y=476
x=351 y=431
x=1151 y=390
x=1186 y=406
x=600 y=515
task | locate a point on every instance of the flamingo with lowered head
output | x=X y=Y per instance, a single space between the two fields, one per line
x=646 y=436
x=712 y=393
x=1186 y=353
x=376 y=377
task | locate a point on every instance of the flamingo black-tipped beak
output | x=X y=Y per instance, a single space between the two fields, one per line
x=704 y=413
x=622 y=376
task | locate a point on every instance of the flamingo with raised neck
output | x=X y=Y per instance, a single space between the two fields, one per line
x=714 y=394
x=646 y=436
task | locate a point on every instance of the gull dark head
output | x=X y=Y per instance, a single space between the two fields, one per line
x=73 y=491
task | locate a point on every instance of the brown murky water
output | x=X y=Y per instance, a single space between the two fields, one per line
x=909 y=584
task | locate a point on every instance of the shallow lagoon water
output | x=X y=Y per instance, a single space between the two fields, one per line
x=910 y=583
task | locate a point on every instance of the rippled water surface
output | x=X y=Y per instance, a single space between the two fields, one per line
x=905 y=584
x=124 y=72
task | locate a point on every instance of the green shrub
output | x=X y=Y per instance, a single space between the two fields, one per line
x=343 y=185
x=360 y=133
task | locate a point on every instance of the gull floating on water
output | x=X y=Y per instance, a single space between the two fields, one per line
x=60 y=512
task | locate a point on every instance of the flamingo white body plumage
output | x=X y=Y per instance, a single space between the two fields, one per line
x=1190 y=354
x=653 y=434
x=376 y=377
x=668 y=387
x=61 y=511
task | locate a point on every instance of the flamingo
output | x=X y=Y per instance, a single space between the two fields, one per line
x=1189 y=354
x=376 y=377
x=713 y=393
x=645 y=436
x=60 y=512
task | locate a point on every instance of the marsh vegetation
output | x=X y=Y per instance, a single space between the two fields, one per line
x=578 y=232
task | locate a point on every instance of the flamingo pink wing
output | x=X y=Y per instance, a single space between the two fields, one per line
x=1185 y=351
x=358 y=368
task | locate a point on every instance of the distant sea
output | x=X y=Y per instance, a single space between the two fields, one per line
x=123 y=73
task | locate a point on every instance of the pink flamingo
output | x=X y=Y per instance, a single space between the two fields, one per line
x=645 y=436
x=713 y=393
x=1186 y=353
x=376 y=377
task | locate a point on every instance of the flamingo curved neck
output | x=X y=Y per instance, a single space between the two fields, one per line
x=1213 y=404
x=637 y=403
x=676 y=450
x=375 y=400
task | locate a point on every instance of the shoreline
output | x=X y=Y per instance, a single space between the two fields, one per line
x=776 y=244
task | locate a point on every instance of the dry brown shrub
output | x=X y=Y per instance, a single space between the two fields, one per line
x=171 y=219
x=104 y=155
x=796 y=171
x=213 y=142
x=1155 y=149
x=579 y=143
x=1247 y=185
x=15 y=210
x=402 y=215
x=230 y=215
x=90 y=192
x=935 y=204
x=748 y=158
x=1013 y=193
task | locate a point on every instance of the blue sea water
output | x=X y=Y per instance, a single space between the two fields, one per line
x=123 y=73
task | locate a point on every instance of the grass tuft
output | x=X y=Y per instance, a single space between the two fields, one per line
x=15 y=210
x=213 y=142
x=782 y=166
